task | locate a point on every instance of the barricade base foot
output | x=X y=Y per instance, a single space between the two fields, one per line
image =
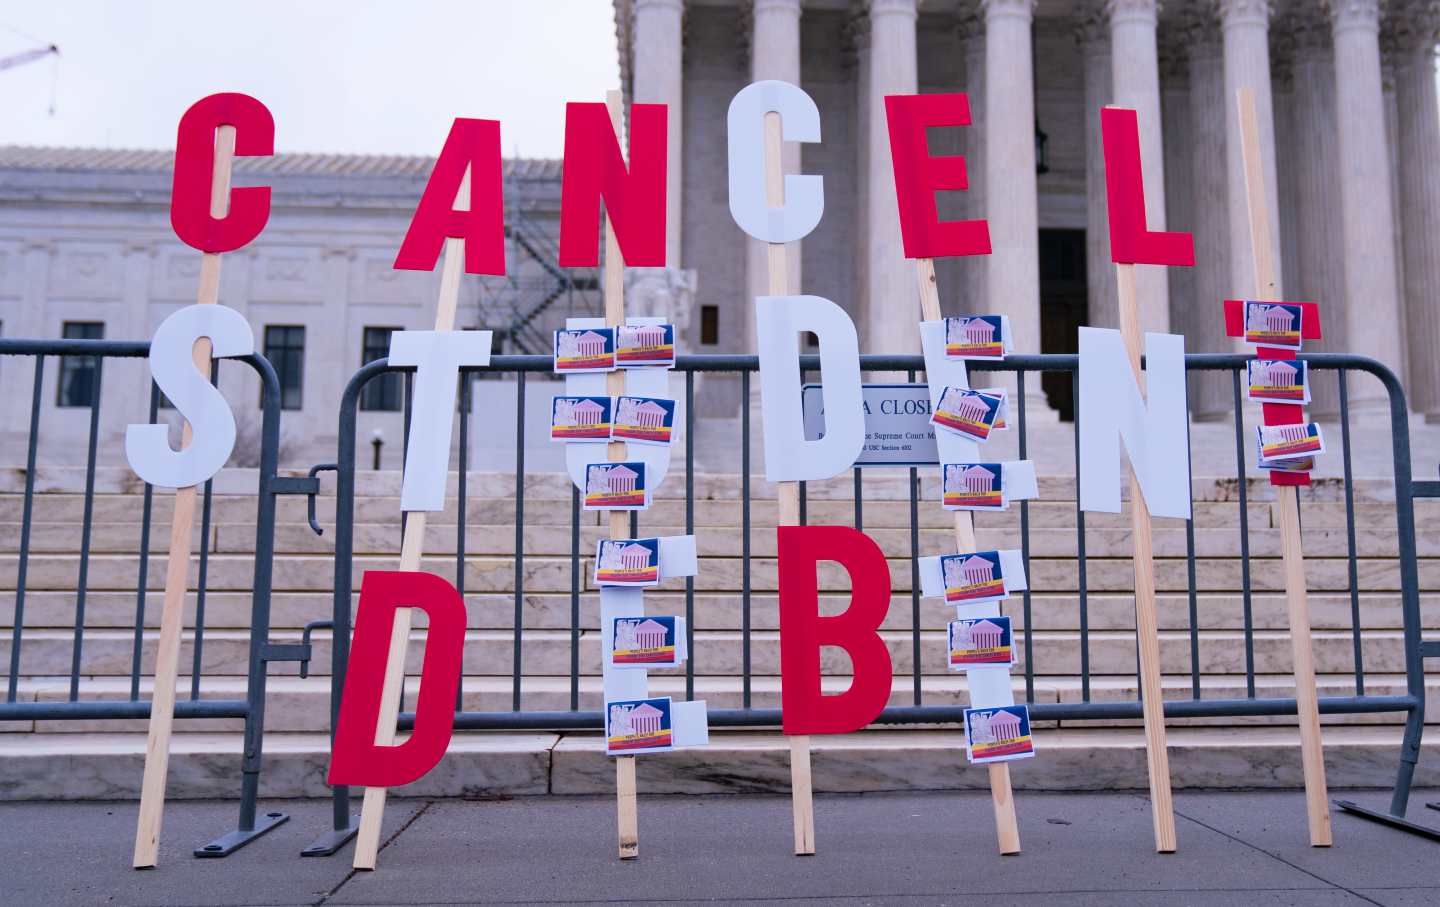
x=232 y=841
x=327 y=844
x=1394 y=821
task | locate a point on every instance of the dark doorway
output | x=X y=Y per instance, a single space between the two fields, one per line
x=1063 y=309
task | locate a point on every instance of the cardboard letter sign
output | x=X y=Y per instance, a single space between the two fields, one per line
x=356 y=758
x=249 y=209
x=806 y=710
x=804 y=195
x=919 y=175
x=472 y=145
x=634 y=196
x=1131 y=241
x=147 y=447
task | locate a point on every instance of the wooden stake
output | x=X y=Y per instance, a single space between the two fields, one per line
x=1007 y=830
x=1312 y=756
x=802 y=798
x=177 y=567
x=1157 y=757
x=372 y=811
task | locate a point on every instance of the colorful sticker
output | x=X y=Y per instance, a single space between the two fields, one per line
x=638 y=726
x=1299 y=464
x=1287 y=442
x=644 y=420
x=1277 y=381
x=644 y=642
x=998 y=734
x=967 y=412
x=975 y=337
x=1273 y=324
x=587 y=350
x=580 y=419
x=644 y=345
x=973 y=486
x=627 y=562
x=615 y=486
x=980 y=641
x=972 y=578
x=1002 y=417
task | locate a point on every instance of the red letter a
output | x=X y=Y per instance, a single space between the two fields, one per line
x=805 y=709
x=474 y=144
x=1131 y=242
x=355 y=758
x=634 y=198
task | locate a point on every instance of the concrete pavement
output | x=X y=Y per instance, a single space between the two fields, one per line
x=903 y=848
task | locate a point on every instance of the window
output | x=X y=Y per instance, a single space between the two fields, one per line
x=381 y=394
x=710 y=324
x=77 y=373
x=285 y=348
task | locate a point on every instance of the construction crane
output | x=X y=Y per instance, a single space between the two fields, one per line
x=27 y=56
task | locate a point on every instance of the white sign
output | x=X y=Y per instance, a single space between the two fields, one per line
x=897 y=424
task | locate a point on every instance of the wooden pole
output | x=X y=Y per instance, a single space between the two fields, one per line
x=802 y=798
x=627 y=811
x=1307 y=708
x=1157 y=757
x=1007 y=829
x=372 y=811
x=177 y=565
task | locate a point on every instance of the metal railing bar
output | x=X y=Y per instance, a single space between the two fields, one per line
x=203 y=582
x=744 y=538
x=1080 y=559
x=462 y=500
x=1241 y=483
x=1190 y=573
x=26 y=517
x=1025 y=546
x=142 y=578
x=859 y=498
x=690 y=530
x=1351 y=563
x=519 y=537
x=82 y=582
x=574 y=597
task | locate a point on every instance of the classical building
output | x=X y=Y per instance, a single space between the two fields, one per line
x=1346 y=96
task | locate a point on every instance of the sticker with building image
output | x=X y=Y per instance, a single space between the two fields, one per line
x=965 y=412
x=627 y=562
x=1277 y=381
x=588 y=350
x=615 y=486
x=580 y=419
x=980 y=641
x=1289 y=442
x=973 y=578
x=645 y=345
x=998 y=734
x=973 y=486
x=644 y=420
x=975 y=337
x=1299 y=464
x=638 y=726
x=1274 y=324
x=645 y=642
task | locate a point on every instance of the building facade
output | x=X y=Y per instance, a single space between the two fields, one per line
x=1346 y=96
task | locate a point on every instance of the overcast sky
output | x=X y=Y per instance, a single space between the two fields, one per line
x=369 y=76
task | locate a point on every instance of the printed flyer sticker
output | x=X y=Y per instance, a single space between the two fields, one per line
x=967 y=412
x=588 y=350
x=638 y=726
x=1277 y=381
x=1299 y=464
x=973 y=486
x=627 y=562
x=973 y=578
x=644 y=642
x=1287 y=442
x=1273 y=324
x=975 y=337
x=645 y=345
x=580 y=419
x=1002 y=417
x=615 y=486
x=998 y=735
x=980 y=641
x=644 y=420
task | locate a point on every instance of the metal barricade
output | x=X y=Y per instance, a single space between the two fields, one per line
x=1024 y=368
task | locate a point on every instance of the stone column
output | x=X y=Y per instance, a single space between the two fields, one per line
x=890 y=306
x=658 y=80
x=1204 y=325
x=1135 y=69
x=1419 y=149
x=1372 y=305
x=1092 y=32
x=1246 y=25
x=1014 y=267
x=973 y=295
x=1179 y=167
x=1318 y=246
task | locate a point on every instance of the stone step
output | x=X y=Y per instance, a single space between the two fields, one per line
x=298 y=573
x=202 y=765
x=55 y=609
x=295 y=704
x=547 y=652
